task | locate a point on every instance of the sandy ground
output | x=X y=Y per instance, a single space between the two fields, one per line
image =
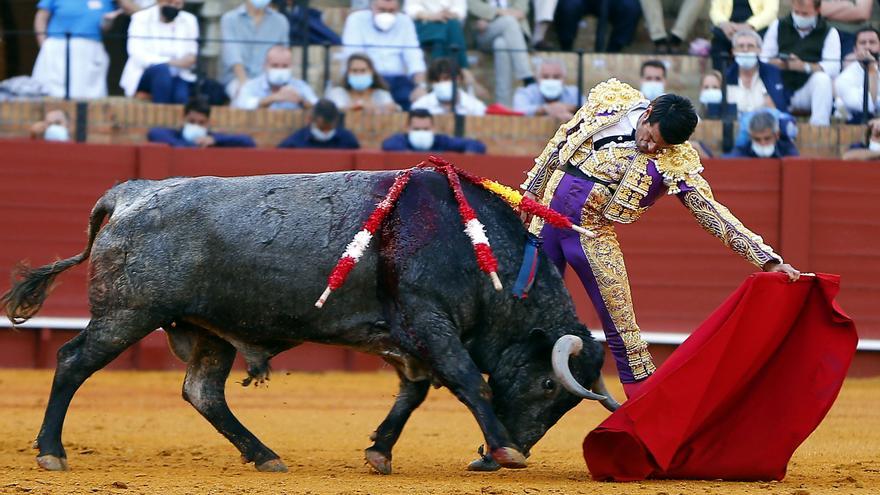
x=130 y=432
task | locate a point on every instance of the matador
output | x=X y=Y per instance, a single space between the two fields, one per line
x=618 y=155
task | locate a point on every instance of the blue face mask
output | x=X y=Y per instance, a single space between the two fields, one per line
x=360 y=82
x=56 y=132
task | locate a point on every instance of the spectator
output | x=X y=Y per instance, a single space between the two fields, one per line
x=389 y=39
x=622 y=14
x=732 y=16
x=550 y=95
x=544 y=11
x=323 y=131
x=502 y=28
x=871 y=151
x=249 y=31
x=55 y=126
x=276 y=88
x=162 y=47
x=196 y=133
x=710 y=88
x=764 y=140
x=420 y=136
x=670 y=42
x=315 y=32
x=439 y=26
x=751 y=83
x=439 y=100
x=807 y=50
x=362 y=88
x=850 y=84
x=85 y=21
x=653 y=78
x=847 y=16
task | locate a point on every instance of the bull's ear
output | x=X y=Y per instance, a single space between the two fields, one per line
x=540 y=339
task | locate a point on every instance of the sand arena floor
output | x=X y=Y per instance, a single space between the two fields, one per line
x=130 y=432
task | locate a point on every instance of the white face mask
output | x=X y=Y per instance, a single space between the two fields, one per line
x=322 y=136
x=652 y=89
x=804 y=23
x=56 y=132
x=874 y=145
x=278 y=77
x=421 y=140
x=708 y=96
x=443 y=90
x=746 y=60
x=193 y=132
x=551 y=89
x=763 y=151
x=260 y=4
x=384 y=21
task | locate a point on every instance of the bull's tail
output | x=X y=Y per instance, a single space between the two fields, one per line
x=31 y=286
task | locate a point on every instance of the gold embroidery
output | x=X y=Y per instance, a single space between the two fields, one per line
x=625 y=206
x=537 y=222
x=678 y=163
x=608 y=164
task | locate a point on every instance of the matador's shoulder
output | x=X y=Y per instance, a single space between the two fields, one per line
x=679 y=163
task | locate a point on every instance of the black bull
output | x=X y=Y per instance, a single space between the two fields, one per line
x=235 y=265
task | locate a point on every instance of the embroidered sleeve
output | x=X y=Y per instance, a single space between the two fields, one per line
x=547 y=161
x=716 y=219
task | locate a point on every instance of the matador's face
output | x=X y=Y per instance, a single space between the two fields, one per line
x=648 y=138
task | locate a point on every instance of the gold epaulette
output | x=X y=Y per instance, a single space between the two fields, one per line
x=679 y=163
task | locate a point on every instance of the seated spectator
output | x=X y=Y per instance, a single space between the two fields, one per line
x=653 y=79
x=732 y=16
x=622 y=14
x=807 y=50
x=550 y=95
x=764 y=140
x=420 y=136
x=870 y=151
x=670 y=42
x=439 y=100
x=848 y=16
x=55 y=126
x=850 y=84
x=362 y=88
x=89 y=62
x=316 y=32
x=710 y=88
x=162 y=47
x=196 y=133
x=276 y=88
x=439 y=26
x=544 y=12
x=752 y=84
x=251 y=30
x=503 y=30
x=323 y=131
x=389 y=39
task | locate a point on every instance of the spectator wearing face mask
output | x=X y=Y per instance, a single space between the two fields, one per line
x=250 y=30
x=162 y=46
x=55 y=126
x=653 y=79
x=323 y=131
x=764 y=140
x=850 y=84
x=389 y=38
x=732 y=16
x=807 y=50
x=362 y=89
x=870 y=151
x=276 y=88
x=550 y=95
x=753 y=85
x=710 y=89
x=439 y=100
x=420 y=136
x=196 y=132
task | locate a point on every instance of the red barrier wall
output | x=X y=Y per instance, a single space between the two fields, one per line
x=817 y=213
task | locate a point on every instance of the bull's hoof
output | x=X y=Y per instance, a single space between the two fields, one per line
x=378 y=461
x=484 y=463
x=36 y=445
x=509 y=457
x=52 y=463
x=272 y=466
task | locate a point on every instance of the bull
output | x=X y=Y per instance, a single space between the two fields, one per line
x=233 y=265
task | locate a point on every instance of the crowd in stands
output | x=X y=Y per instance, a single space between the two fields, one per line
x=412 y=55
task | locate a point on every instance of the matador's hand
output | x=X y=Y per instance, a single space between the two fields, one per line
x=527 y=217
x=772 y=266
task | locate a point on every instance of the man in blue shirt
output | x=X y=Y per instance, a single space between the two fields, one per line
x=323 y=131
x=195 y=133
x=276 y=88
x=764 y=140
x=249 y=31
x=550 y=95
x=420 y=136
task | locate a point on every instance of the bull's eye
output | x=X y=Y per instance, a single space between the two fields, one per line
x=548 y=384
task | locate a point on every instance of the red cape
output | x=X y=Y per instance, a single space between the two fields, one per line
x=738 y=397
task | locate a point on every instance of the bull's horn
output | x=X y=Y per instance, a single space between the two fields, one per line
x=609 y=402
x=570 y=345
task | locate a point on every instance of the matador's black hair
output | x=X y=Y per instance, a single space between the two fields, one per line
x=676 y=116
